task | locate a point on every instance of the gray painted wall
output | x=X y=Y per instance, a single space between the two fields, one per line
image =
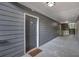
x=77 y=28
x=12 y=29
x=47 y=30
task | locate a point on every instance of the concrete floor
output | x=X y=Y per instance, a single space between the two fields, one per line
x=67 y=46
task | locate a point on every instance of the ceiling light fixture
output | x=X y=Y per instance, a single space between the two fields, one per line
x=50 y=4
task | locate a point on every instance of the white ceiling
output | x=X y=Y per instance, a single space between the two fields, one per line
x=62 y=11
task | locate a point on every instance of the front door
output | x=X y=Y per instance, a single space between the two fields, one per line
x=31 y=30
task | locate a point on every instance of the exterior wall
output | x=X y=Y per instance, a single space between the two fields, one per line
x=12 y=28
x=77 y=29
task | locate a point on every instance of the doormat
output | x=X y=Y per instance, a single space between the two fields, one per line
x=34 y=52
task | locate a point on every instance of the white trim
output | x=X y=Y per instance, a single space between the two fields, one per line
x=24 y=35
x=37 y=37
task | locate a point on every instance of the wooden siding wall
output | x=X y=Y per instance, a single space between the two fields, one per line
x=11 y=30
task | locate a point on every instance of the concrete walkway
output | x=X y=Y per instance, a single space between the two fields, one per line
x=66 y=46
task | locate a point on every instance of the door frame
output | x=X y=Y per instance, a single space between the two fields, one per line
x=37 y=31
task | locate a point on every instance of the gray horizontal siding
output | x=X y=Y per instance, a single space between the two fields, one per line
x=12 y=50
x=10 y=7
x=47 y=31
x=11 y=30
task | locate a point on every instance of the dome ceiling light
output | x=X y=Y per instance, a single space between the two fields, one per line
x=50 y=4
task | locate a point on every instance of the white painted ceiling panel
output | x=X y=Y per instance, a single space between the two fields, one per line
x=62 y=11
